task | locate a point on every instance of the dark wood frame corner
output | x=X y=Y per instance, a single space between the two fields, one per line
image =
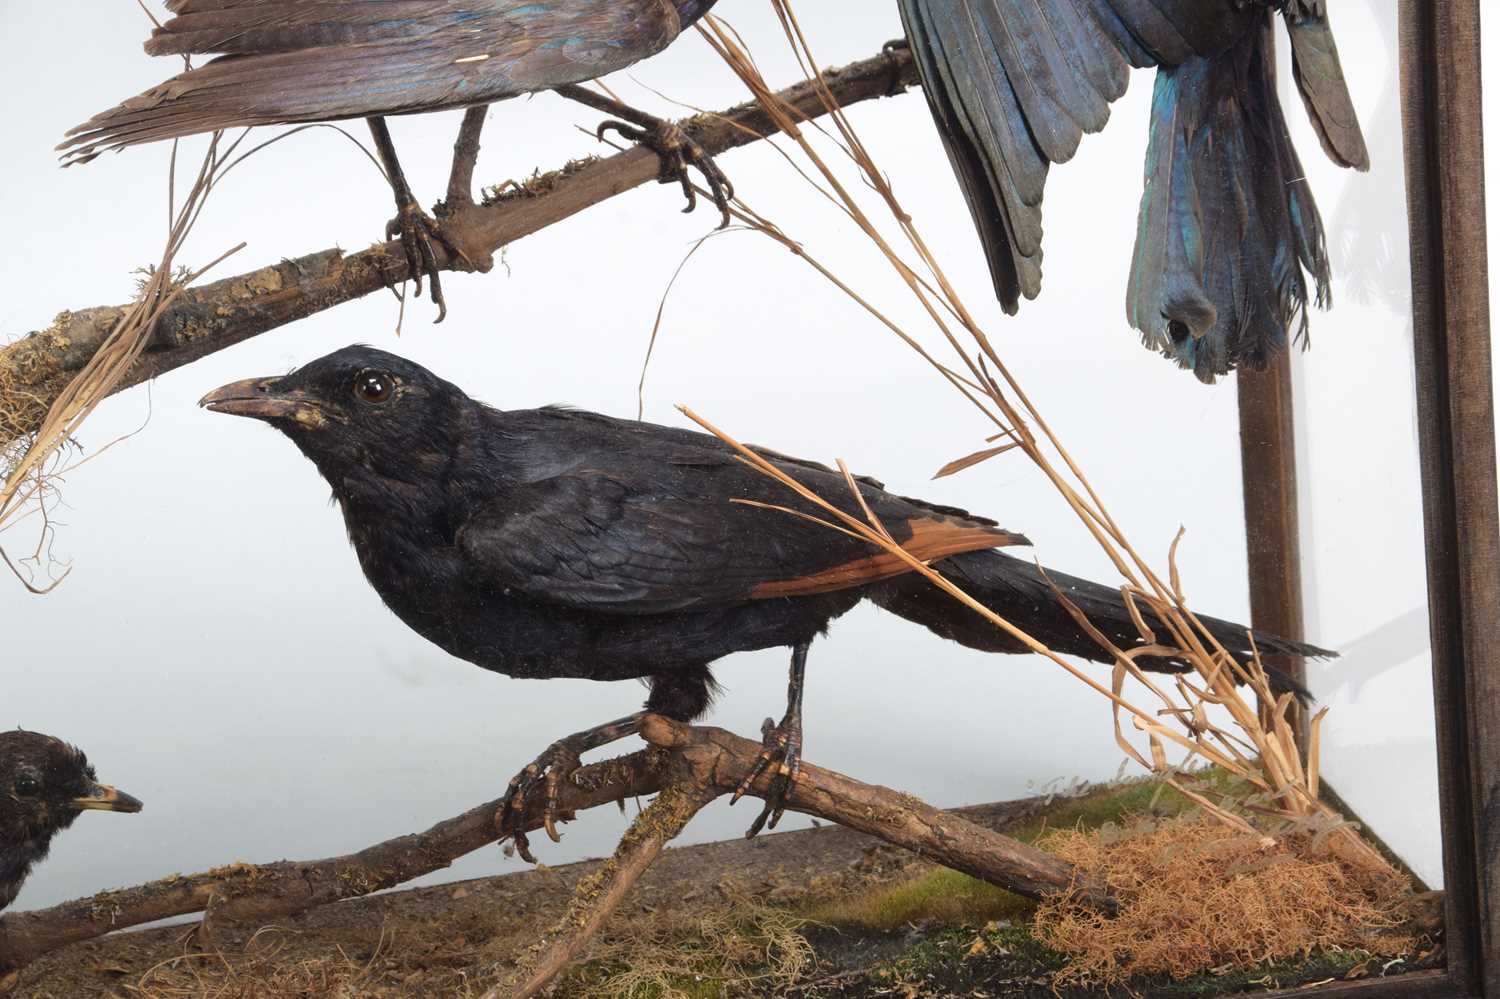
x=1443 y=138
x=1442 y=126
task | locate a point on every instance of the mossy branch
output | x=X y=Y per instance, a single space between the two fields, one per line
x=35 y=368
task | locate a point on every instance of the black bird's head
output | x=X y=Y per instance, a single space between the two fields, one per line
x=356 y=410
x=44 y=785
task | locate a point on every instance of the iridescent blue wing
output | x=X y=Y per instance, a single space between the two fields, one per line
x=1013 y=85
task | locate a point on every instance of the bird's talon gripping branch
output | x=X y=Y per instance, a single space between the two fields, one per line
x=679 y=156
x=782 y=745
x=555 y=765
x=416 y=229
x=781 y=749
x=548 y=771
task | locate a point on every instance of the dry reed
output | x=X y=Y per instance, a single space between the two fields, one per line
x=34 y=463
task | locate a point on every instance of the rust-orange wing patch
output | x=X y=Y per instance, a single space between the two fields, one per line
x=930 y=539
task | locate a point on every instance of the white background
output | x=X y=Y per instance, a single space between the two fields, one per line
x=218 y=653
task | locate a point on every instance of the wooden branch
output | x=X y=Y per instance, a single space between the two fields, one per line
x=269 y=891
x=721 y=759
x=36 y=367
x=706 y=761
x=600 y=894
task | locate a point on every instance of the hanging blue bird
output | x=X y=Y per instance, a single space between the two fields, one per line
x=1228 y=233
x=297 y=61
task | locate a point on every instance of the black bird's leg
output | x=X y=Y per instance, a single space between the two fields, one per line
x=783 y=745
x=678 y=152
x=458 y=215
x=416 y=228
x=412 y=224
x=556 y=764
x=465 y=155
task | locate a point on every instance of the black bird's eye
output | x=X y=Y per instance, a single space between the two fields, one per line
x=27 y=787
x=374 y=386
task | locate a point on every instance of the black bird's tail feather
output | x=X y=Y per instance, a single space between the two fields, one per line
x=1018 y=591
x=1320 y=79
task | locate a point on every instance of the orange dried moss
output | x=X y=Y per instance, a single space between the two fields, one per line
x=1196 y=896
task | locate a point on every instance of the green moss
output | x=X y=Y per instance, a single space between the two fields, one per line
x=941 y=896
x=1117 y=802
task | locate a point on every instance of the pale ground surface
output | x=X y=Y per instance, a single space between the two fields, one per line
x=218 y=654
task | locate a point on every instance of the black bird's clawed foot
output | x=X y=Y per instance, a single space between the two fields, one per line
x=782 y=748
x=416 y=230
x=547 y=771
x=454 y=229
x=679 y=156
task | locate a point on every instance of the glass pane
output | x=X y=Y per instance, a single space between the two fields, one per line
x=218 y=652
x=1359 y=489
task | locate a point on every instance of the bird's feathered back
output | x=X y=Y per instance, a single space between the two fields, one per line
x=285 y=61
x=203 y=27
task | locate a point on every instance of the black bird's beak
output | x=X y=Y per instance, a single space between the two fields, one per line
x=107 y=799
x=262 y=399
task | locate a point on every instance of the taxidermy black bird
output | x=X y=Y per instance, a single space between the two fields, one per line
x=558 y=543
x=1227 y=223
x=292 y=61
x=44 y=785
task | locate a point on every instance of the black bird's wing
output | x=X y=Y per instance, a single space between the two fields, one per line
x=649 y=534
x=287 y=61
x=1320 y=80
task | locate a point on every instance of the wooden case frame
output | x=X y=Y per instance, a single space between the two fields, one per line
x=1443 y=140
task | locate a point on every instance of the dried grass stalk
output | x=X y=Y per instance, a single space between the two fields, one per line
x=33 y=463
x=1263 y=754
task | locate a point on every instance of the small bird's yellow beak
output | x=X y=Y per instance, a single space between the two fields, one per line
x=108 y=799
x=262 y=399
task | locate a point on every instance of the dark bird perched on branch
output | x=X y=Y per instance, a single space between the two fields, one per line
x=44 y=785
x=290 y=61
x=1227 y=222
x=558 y=543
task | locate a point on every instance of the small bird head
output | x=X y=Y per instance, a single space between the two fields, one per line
x=357 y=408
x=44 y=785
